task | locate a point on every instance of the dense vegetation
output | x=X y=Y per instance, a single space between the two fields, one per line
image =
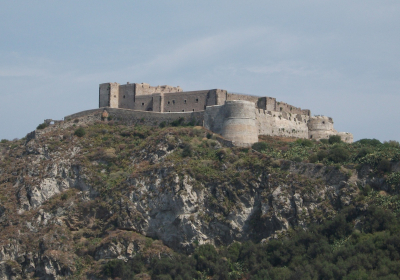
x=336 y=249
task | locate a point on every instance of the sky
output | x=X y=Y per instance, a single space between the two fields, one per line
x=337 y=58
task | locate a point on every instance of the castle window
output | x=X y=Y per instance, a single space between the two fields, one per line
x=183 y=110
x=173 y=101
x=169 y=102
x=142 y=104
x=197 y=100
x=115 y=96
x=281 y=108
x=124 y=96
x=185 y=101
x=323 y=122
x=169 y=111
x=193 y=110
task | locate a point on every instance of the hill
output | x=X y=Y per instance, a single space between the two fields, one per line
x=106 y=200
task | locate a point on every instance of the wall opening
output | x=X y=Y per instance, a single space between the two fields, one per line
x=142 y=104
x=173 y=101
x=197 y=100
x=169 y=102
x=184 y=101
x=193 y=110
x=183 y=110
x=124 y=96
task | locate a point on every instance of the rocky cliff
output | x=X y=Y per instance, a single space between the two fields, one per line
x=69 y=204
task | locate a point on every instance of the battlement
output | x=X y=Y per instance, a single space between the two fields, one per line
x=269 y=117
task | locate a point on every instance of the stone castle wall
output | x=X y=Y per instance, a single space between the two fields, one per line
x=238 y=117
x=278 y=124
x=146 y=89
x=132 y=117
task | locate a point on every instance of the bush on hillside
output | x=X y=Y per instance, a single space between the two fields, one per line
x=305 y=142
x=338 y=154
x=392 y=144
x=187 y=151
x=370 y=142
x=80 y=132
x=384 y=165
x=178 y=122
x=42 y=126
x=334 y=139
x=363 y=152
x=260 y=146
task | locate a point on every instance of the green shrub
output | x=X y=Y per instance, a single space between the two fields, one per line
x=370 y=142
x=393 y=178
x=80 y=132
x=324 y=141
x=178 y=122
x=392 y=143
x=297 y=159
x=305 y=142
x=322 y=154
x=363 y=152
x=260 y=146
x=187 y=151
x=338 y=154
x=4 y=141
x=313 y=158
x=118 y=268
x=334 y=139
x=42 y=126
x=163 y=124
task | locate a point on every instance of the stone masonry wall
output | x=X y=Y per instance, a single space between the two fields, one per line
x=235 y=96
x=131 y=117
x=104 y=95
x=114 y=95
x=280 y=124
x=191 y=101
x=126 y=96
x=146 y=89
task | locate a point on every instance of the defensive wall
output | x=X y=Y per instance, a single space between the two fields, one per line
x=239 y=118
x=132 y=117
x=166 y=98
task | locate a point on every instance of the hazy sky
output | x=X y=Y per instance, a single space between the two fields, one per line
x=336 y=58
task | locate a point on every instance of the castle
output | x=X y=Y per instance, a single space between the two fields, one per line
x=236 y=117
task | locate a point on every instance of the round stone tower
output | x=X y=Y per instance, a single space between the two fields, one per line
x=320 y=127
x=321 y=123
x=239 y=124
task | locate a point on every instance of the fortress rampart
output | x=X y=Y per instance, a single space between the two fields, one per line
x=239 y=118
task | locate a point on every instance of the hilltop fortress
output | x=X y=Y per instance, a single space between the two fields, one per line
x=237 y=117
